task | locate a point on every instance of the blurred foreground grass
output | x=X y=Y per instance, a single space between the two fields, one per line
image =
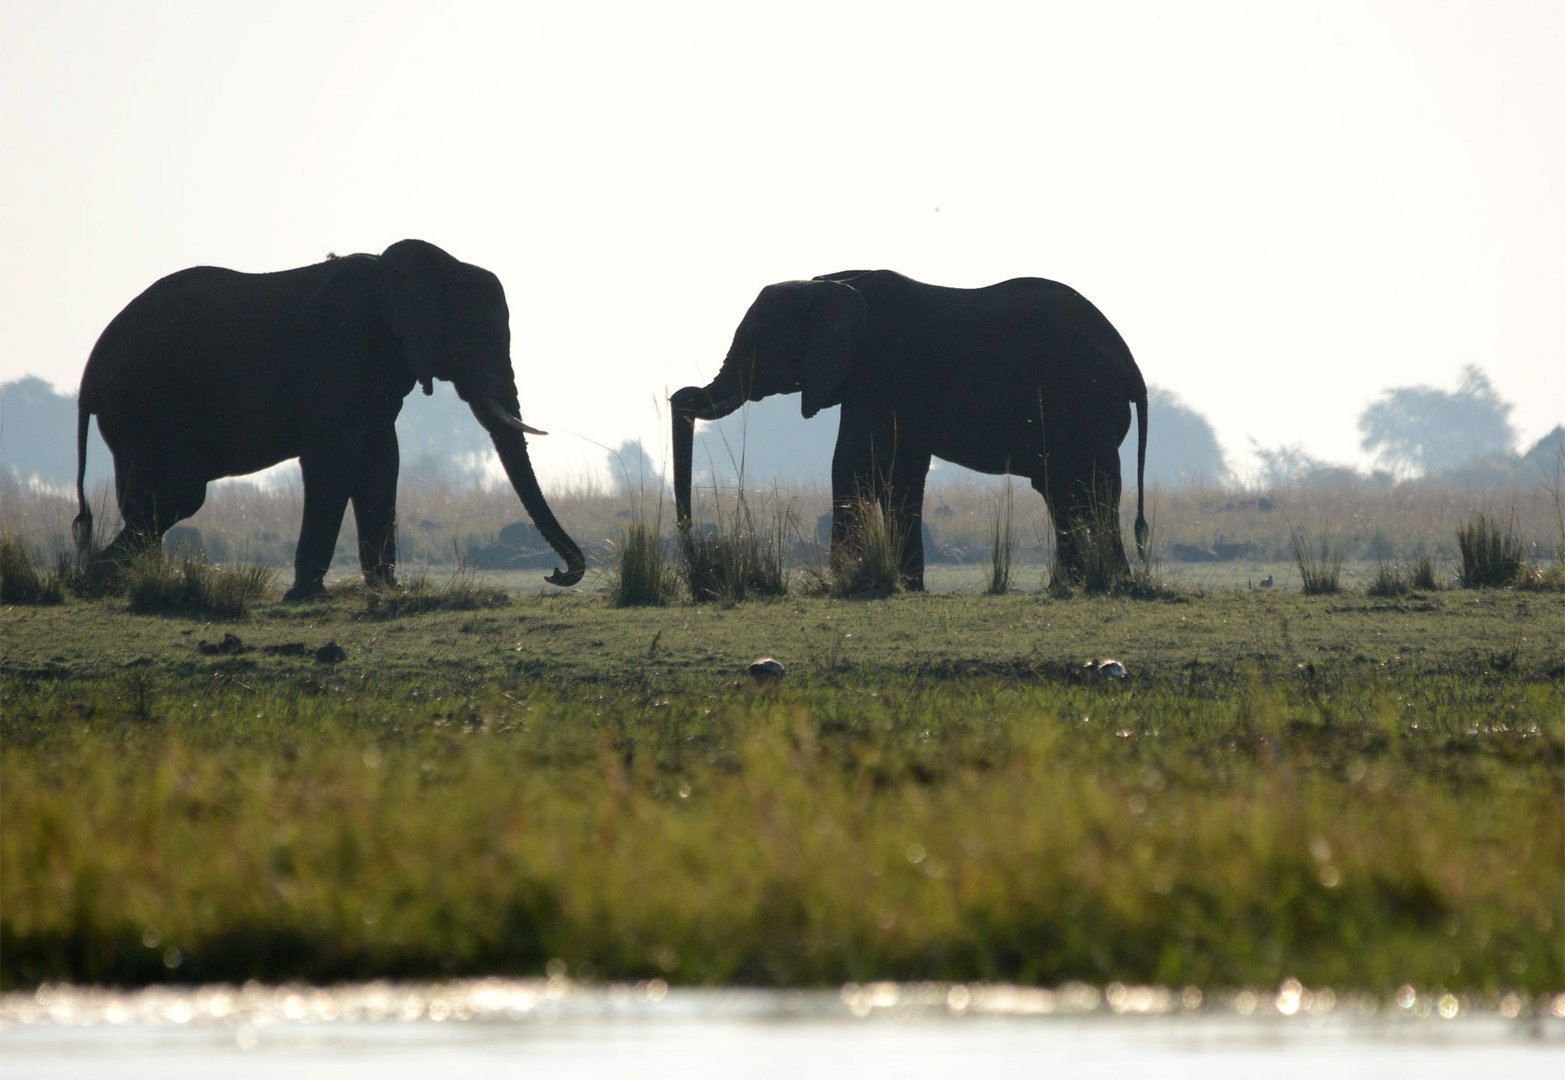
x=1350 y=792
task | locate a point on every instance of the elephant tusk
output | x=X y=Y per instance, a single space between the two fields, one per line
x=501 y=414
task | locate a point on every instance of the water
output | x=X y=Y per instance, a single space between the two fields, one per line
x=494 y=1028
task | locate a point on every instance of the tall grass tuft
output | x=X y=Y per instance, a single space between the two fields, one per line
x=1319 y=561
x=639 y=571
x=736 y=558
x=1493 y=556
x=869 y=565
x=1101 y=553
x=21 y=581
x=1396 y=579
x=156 y=586
x=1421 y=575
x=1388 y=580
x=1002 y=542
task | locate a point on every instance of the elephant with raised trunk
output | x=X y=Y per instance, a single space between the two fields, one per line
x=1024 y=377
x=213 y=373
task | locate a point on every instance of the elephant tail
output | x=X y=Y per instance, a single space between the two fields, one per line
x=1140 y=401
x=81 y=527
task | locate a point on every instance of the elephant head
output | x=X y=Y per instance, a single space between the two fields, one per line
x=453 y=323
x=798 y=337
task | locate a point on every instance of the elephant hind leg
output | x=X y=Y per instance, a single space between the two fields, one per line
x=152 y=497
x=1083 y=499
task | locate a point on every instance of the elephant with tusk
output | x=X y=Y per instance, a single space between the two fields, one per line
x=212 y=373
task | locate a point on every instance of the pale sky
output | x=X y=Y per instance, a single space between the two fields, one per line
x=1285 y=208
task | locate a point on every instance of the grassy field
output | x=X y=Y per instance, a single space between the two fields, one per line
x=475 y=773
x=1358 y=793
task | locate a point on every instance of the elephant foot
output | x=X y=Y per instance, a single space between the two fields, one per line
x=385 y=578
x=305 y=590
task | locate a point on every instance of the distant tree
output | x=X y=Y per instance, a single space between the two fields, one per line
x=1286 y=466
x=1419 y=429
x=1182 y=448
x=1542 y=464
x=634 y=471
x=1291 y=466
x=1546 y=454
x=38 y=436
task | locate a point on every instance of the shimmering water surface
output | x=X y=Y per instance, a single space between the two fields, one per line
x=558 y=1028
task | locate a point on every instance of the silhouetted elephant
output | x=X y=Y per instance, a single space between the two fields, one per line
x=1025 y=377
x=213 y=373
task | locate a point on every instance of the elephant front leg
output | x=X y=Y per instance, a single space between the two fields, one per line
x=1064 y=569
x=906 y=500
x=326 y=490
x=375 y=507
x=869 y=469
x=849 y=483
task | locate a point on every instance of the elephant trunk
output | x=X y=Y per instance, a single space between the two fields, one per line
x=689 y=405
x=684 y=447
x=506 y=431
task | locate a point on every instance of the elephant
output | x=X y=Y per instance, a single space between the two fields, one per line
x=1024 y=377
x=212 y=372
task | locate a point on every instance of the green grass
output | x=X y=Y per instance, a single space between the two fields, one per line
x=418 y=591
x=1319 y=560
x=1352 y=792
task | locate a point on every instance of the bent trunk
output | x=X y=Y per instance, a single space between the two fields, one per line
x=511 y=445
x=684 y=448
x=689 y=405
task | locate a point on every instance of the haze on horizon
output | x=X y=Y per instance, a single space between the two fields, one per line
x=1285 y=209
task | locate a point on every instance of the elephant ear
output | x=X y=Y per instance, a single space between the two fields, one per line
x=411 y=291
x=836 y=323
